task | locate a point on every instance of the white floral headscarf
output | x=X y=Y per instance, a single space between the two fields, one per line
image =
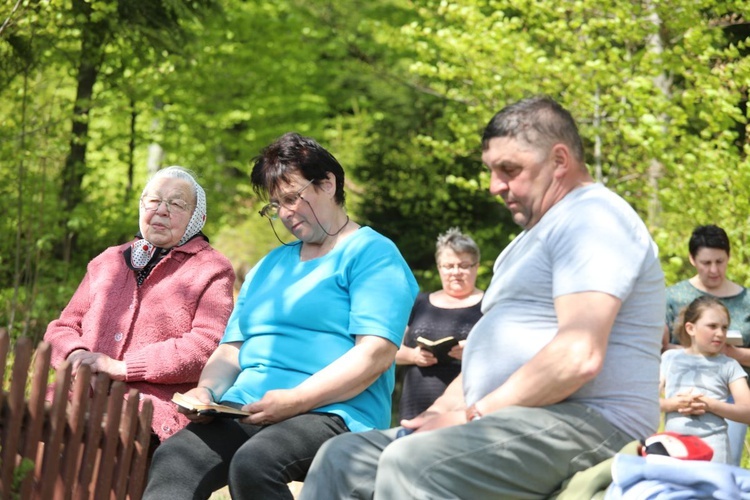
x=142 y=250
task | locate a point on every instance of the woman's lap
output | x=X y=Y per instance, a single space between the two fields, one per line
x=205 y=457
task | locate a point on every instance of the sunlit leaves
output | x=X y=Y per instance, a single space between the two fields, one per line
x=656 y=84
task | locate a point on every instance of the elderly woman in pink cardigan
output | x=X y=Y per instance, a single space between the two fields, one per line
x=151 y=312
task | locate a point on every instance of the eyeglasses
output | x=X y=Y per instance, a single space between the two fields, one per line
x=288 y=201
x=152 y=204
x=461 y=267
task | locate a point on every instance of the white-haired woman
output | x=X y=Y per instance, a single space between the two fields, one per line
x=150 y=312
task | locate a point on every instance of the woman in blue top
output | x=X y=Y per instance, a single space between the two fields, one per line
x=309 y=348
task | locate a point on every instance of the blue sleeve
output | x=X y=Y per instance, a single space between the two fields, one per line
x=382 y=290
x=233 y=333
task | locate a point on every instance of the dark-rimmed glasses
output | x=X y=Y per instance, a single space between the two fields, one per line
x=152 y=204
x=288 y=201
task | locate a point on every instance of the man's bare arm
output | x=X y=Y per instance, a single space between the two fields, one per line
x=572 y=358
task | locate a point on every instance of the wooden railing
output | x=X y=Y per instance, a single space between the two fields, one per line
x=90 y=442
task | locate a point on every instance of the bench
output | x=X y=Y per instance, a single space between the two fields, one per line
x=90 y=442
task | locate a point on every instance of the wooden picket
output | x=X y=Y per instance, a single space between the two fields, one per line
x=87 y=443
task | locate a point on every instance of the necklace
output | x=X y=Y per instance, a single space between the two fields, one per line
x=323 y=227
x=337 y=232
x=329 y=242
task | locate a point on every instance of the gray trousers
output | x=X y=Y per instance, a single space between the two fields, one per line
x=513 y=453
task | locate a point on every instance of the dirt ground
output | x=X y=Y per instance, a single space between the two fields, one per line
x=223 y=494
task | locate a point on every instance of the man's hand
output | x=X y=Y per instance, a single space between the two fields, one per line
x=447 y=410
x=431 y=420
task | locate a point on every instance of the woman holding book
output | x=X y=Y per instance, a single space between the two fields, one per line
x=308 y=351
x=440 y=318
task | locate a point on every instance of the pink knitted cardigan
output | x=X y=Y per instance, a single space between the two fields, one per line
x=164 y=330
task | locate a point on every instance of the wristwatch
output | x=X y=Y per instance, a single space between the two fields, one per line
x=472 y=413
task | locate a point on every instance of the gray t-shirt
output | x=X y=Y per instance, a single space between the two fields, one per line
x=708 y=375
x=591 y=240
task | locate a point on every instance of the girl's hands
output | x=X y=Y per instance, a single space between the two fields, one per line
x=687 y=403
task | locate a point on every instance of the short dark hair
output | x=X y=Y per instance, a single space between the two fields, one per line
x=292 y=153
x=539 y=121
x=709 y=236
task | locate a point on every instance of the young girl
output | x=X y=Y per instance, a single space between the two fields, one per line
x=697 y=381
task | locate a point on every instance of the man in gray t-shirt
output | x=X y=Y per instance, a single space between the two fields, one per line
x=566 y=257
x=563 y=368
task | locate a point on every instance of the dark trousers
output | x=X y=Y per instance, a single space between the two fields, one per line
x=256 y=462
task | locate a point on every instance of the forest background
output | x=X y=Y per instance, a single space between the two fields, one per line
x=97 y=94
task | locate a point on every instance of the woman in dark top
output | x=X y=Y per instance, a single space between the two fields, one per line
x=448 y=312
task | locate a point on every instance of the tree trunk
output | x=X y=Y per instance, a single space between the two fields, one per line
x=598 y=174
x=664 y=84
x=131 y=152
x=93 y=36
x=155 y=151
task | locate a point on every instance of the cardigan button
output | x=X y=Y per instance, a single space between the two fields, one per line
x=118 y=336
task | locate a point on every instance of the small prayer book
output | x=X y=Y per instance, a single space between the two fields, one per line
x=210 y=409
x=439 y=348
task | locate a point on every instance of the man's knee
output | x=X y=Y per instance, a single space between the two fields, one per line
x=325 y=478
x=336 y=450
x=394 y=456
x=343 y=457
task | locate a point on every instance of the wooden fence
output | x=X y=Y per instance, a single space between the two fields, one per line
x=91 y=441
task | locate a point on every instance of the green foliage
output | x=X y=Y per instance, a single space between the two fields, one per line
x=659 y=90
x=20 y=472
x=398 y=90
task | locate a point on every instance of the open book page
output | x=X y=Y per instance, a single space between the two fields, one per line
x=439 y=348
x=216 y=409
x=734 y=337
